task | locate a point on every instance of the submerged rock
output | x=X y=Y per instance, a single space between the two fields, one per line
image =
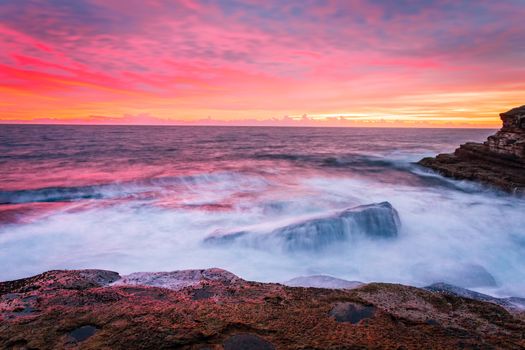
x=378 y=220
x=244 y=315
x=322 y=281
x=499 y=161
x=462 y=275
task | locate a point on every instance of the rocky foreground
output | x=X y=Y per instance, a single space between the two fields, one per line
x=214 y=309
x=498 y=162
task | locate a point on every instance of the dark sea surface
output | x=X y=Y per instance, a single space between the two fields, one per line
x=136 y=198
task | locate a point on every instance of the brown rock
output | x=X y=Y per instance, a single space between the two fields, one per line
x=498 y=162
x=237 y=314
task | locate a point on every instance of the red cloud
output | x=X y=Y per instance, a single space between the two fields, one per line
x=250 y=60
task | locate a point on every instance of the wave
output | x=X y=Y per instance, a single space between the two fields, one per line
x=344 y=160
x=381 y=167
x=51 y=194
x=375 y=221
x=123 y=189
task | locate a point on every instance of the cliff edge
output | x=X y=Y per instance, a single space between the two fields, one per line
x=498 y=162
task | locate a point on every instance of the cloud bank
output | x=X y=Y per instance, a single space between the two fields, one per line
x=436 y=62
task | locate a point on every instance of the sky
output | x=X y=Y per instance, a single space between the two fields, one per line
x=448 y=63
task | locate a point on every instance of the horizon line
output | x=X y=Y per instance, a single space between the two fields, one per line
x=251 y=126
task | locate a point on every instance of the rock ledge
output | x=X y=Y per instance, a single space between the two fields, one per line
x=214 y=309
x=498 y=162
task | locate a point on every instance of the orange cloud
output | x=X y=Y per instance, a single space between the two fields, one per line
x=343 y=63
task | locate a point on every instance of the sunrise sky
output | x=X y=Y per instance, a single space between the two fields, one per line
x=248 y=62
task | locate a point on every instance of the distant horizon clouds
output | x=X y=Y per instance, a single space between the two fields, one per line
x=247 y=62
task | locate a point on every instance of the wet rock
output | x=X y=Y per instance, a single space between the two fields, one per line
x=462 y=275
x=455 y=290
x=247 y=342
x=322 y=281
x=374 y=221
x=432 y=322
x=82 y=333
x=351 y=312
x=517 y=302
x=508 y=303
x=499 y=161
x=176 y=280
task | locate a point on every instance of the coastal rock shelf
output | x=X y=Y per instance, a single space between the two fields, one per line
x=498 y=162
x=214 y=309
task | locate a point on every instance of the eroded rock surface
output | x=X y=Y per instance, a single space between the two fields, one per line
x=499 y=161
x=87 y=310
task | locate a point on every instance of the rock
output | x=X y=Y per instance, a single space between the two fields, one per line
x=510 y=140
x=176 y=280
x=498 y=162
x=63 y=279
x=245 y=315
x=508 y=303
x=379 y=220
x=516 y=302
x=462 y=275
x=247 y=342
x=352 y=312
x=82 y=333
x=322 y=281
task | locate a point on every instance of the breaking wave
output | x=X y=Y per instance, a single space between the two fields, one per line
x=136 y=188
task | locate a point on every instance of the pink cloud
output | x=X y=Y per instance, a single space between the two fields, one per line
x=189 y=58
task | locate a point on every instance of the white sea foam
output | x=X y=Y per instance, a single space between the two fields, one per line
x=474 y=237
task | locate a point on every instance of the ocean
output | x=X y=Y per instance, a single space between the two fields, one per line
x=148 y=198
